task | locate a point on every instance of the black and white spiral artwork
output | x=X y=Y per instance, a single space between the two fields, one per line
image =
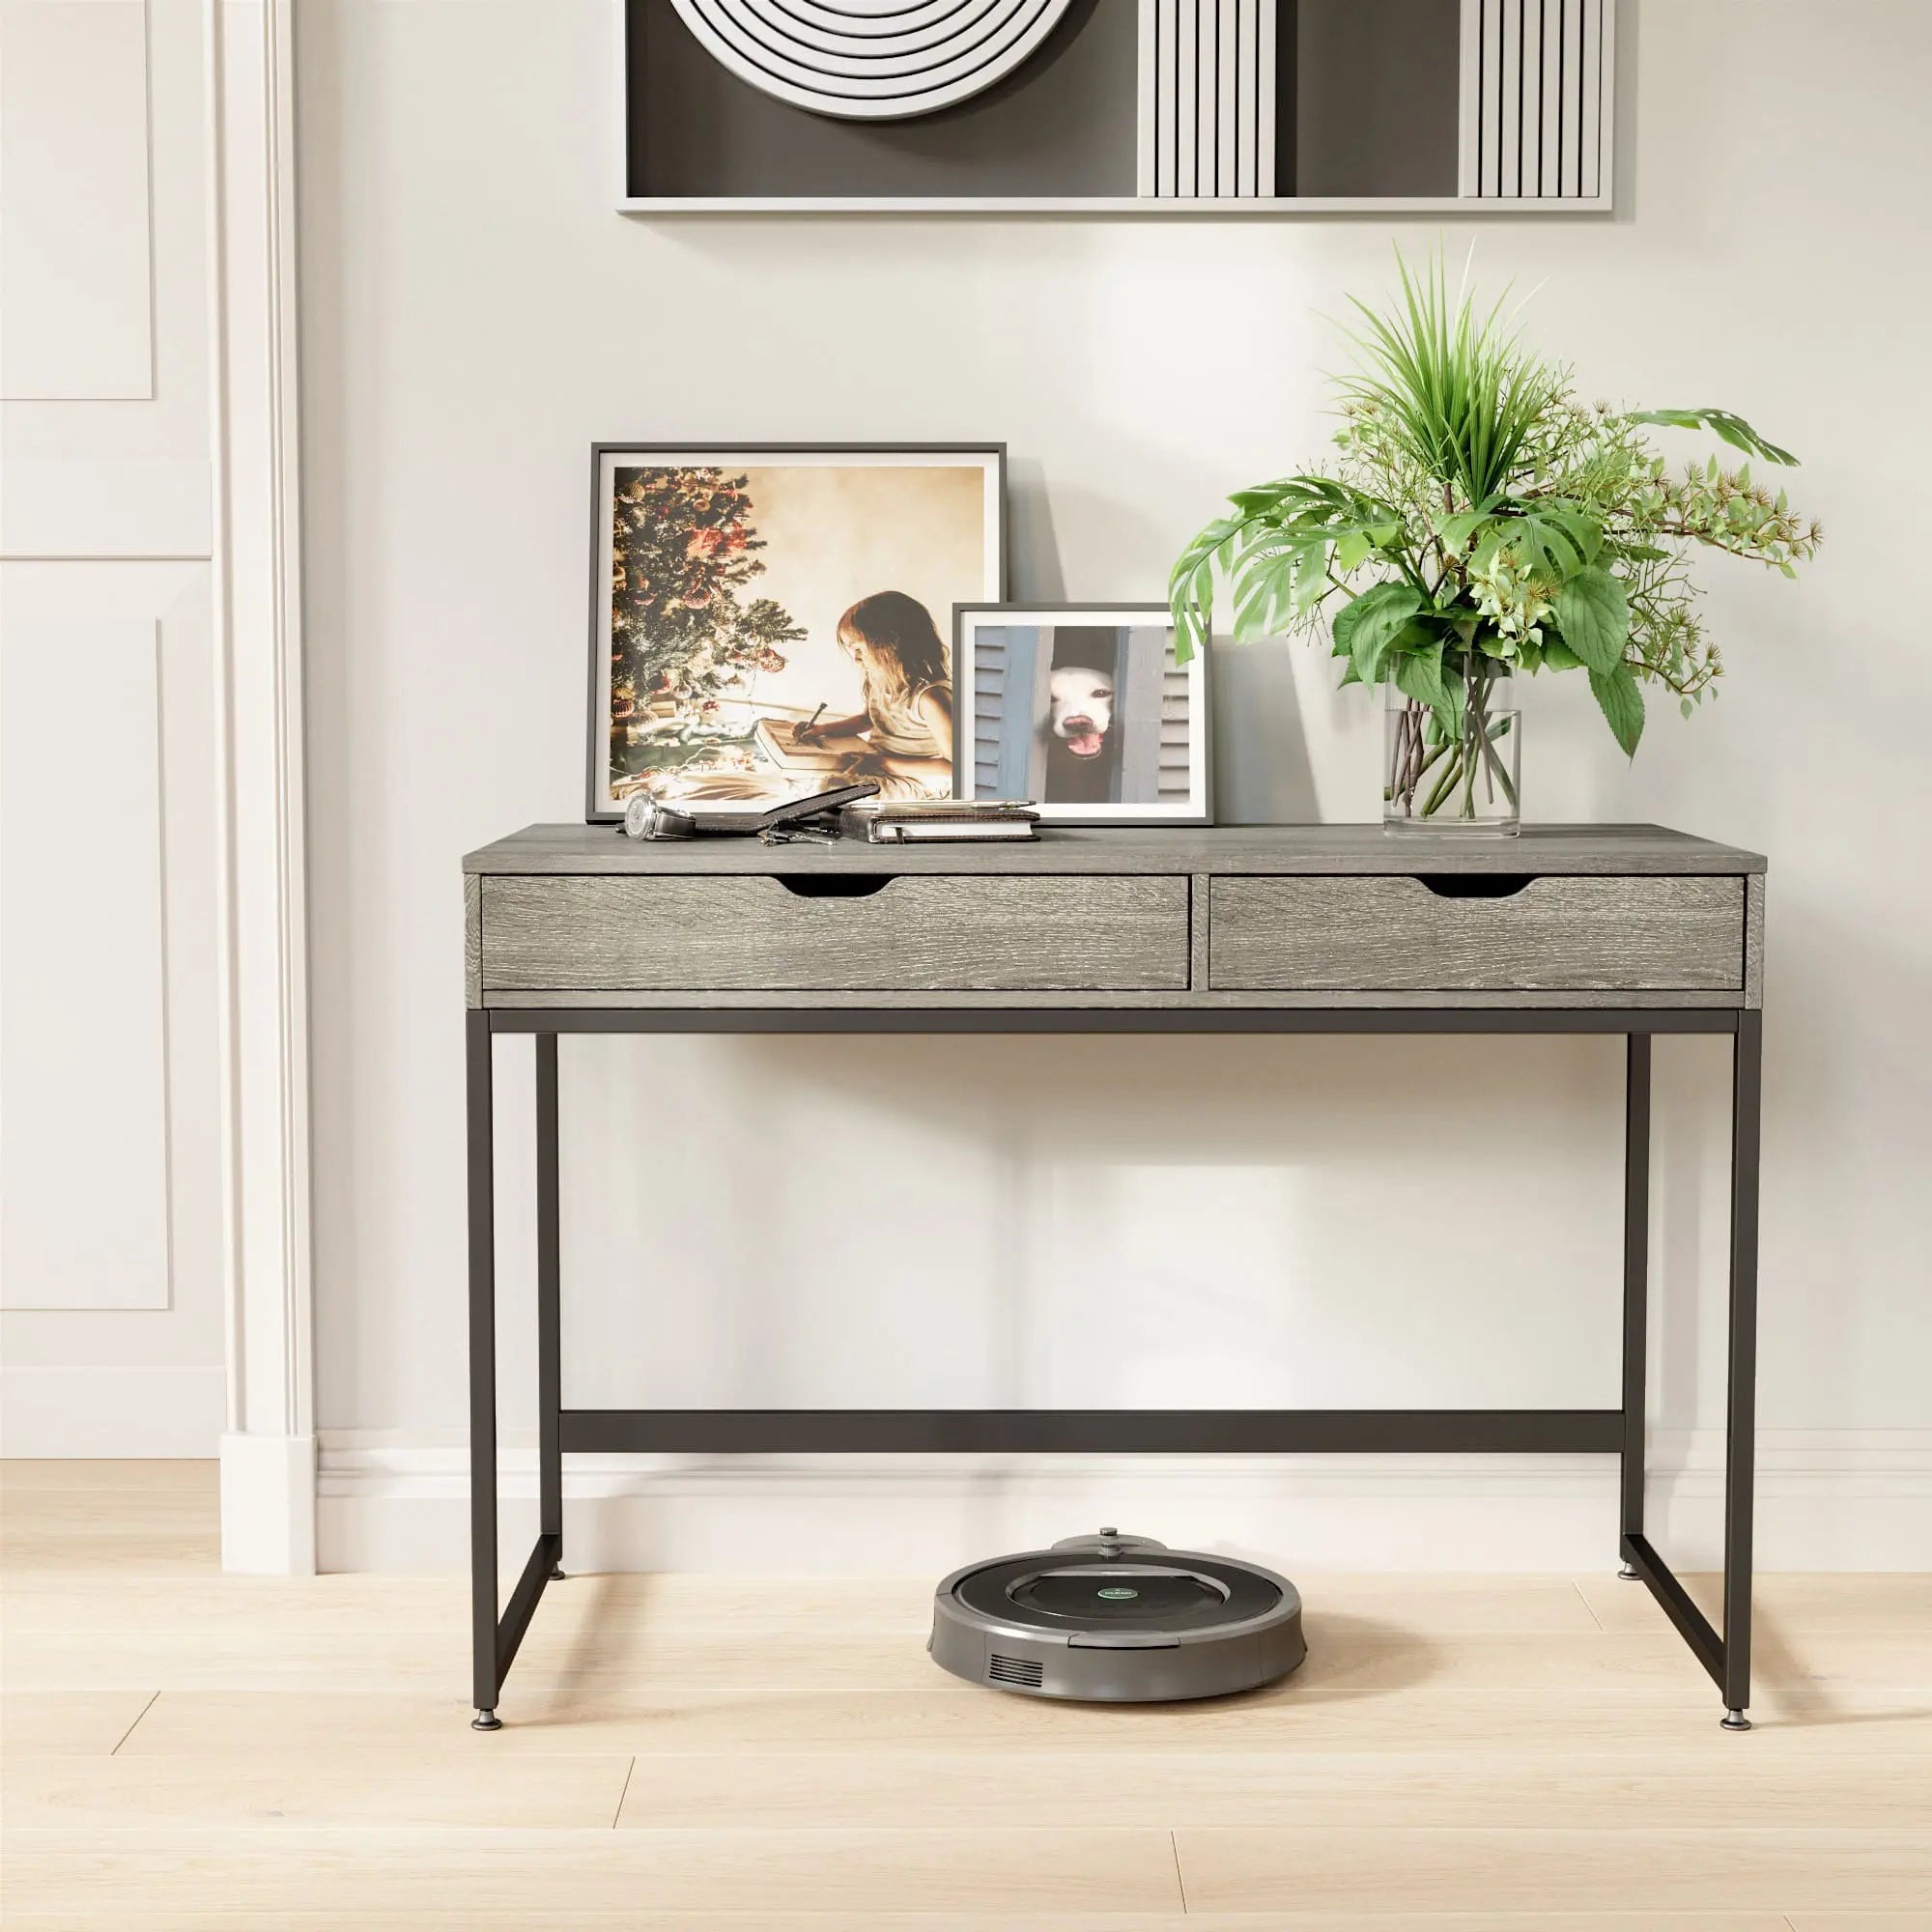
x=872 y=60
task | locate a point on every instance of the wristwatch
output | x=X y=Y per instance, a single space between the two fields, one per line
x=647 y=818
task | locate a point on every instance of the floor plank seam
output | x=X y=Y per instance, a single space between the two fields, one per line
x=131 y=1728
x=1589 y=1608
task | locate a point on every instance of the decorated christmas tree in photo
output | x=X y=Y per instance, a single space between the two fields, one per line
x=683 y=641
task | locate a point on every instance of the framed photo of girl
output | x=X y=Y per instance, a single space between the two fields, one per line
x=1082 y=708
x=769 y=620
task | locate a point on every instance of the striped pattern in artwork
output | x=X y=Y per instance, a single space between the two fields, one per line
x=1208 y=100
x=1536 y=88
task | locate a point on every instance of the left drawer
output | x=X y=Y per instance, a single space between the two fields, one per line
x=912 y=933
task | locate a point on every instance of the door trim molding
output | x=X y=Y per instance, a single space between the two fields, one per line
x=267 y=1450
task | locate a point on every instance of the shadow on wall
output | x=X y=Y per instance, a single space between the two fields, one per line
x=1035 y=573
x=1263 y=775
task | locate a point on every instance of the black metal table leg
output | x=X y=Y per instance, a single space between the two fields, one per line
x=486 y=1676
x=549 y=1371
x=1637 y=1285
x=496 y=1638
x=1741 y=1419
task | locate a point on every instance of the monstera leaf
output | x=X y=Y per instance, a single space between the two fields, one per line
x=1734 y=430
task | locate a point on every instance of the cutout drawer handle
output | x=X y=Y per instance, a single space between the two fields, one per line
x=833 y=884
x=1474 y=885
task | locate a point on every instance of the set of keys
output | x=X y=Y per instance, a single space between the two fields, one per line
x=798 y=832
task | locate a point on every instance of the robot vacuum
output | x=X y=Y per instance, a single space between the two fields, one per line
x=1117 y=1619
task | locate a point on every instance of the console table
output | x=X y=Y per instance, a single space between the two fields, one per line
x=1613 y=930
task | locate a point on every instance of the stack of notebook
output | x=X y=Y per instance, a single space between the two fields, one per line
x=914 y=821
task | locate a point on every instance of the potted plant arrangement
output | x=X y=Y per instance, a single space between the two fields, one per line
x=1477 y=524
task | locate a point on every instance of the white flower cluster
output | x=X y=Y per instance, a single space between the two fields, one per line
x=1511 y=598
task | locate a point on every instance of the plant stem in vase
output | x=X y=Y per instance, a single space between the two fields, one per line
x=1453 y=764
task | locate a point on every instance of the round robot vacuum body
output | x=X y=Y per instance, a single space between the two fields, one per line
x=1117 y=1619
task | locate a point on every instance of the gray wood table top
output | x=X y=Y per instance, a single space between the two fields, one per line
x=1361 y=849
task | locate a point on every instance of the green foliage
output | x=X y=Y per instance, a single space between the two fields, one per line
x=1366 y=628
x=1457 y=389
x=1419 y=674
x=1734 y=430
x=1621 y=703
x=1476 y=516
x=1592 y=613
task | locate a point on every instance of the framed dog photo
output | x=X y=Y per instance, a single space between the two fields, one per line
x=767 y=622
x=1081 y=708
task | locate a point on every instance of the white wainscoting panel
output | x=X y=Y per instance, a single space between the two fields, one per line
x=96 y=510
x=110 y=1413
x=83 y=1071
x=75 y=302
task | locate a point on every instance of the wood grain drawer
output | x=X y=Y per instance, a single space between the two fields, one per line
x=919 y=933
x=1396 y=933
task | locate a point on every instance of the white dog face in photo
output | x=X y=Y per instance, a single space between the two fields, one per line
x=1081 y=709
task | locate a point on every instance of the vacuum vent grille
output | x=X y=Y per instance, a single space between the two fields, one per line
x=1015 y=1670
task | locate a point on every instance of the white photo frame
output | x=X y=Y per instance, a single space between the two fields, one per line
x=1081 y=709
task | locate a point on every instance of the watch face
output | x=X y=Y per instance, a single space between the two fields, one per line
x=646 y=818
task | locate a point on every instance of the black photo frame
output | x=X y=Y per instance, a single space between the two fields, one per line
x=717 y=671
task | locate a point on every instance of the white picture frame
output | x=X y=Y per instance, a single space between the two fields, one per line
x=1081 y=710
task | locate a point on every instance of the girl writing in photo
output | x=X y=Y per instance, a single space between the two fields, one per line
x=903 y=738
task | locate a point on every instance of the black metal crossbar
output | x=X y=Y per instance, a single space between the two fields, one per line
x=1706 y=1645
x=1094 y=1431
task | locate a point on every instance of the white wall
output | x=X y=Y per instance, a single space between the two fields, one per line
x=1286 y=1221
x=111 y=1340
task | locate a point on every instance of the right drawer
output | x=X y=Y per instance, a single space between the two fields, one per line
x=1397 y=933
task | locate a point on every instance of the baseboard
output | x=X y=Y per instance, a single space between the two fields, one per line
x=111 y=1414
x=1827 y=1500
x=268 y=1505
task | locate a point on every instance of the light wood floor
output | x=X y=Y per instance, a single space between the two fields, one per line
x=184 y=1749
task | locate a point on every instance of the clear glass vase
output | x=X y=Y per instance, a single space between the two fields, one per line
x=1464 y=780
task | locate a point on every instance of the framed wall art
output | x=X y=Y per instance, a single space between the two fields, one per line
x=770 y=620
x=1082 y=708
x=1154 y=107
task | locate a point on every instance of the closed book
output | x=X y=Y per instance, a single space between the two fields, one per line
x=903 y=833
x=907 y=821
